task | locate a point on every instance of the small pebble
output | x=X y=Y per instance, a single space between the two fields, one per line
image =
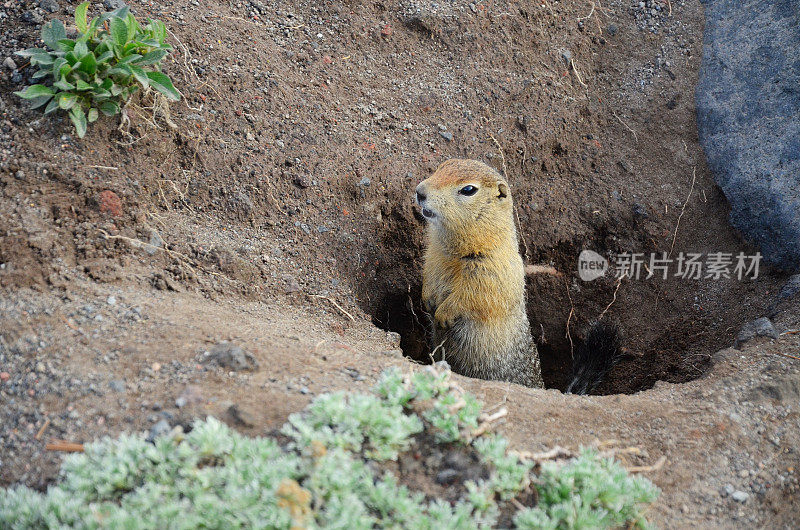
x=111 y=300
x=740 y=496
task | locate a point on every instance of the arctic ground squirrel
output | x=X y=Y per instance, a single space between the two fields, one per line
x=473 y=283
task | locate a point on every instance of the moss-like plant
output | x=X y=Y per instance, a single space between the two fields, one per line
x=112 y=58
x=327 y=476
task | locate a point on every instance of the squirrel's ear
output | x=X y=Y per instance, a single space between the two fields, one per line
x=502 y=190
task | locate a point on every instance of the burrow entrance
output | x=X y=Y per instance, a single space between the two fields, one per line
x=670 y=328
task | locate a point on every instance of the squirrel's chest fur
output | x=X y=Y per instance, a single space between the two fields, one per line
x=490 y=335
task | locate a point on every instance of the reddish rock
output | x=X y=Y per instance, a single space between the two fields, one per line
x=387 y=31
x=4 y=376
x=110 y=203
x=327 y=59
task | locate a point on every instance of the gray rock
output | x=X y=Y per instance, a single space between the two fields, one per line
x=788 y=299
x=51 y=6
x=302 y=181
x=117 y=385
x=740 y=496
x=10 y=64
x=727 y=490
x=232 y=357
x=111 y=5
x=791 y=288
x=447 y=135
x=161 y=428
x=32 y=17
x=747 y=108
x=155 y=243
x=760 y=327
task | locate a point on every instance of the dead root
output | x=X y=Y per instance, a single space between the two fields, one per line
x=151 y=109
x=606 y=449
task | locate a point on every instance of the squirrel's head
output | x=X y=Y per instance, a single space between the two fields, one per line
x=466 y=199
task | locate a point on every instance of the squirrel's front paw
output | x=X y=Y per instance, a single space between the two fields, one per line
x=444 y=318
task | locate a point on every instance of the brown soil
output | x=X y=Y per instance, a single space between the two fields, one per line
x=278 y=215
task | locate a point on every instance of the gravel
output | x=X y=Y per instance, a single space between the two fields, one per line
x=232 y=357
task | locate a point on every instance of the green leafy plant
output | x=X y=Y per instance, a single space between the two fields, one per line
x=328 y=475
x=588 y=492
x=112 y=58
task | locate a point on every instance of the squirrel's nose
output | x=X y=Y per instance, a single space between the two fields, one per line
x=420 y=194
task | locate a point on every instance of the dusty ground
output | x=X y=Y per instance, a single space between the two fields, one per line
x=278 y=216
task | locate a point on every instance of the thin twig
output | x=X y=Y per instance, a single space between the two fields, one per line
x=503 y=412
x=577 y=74
x=589 y=15
x=181 y=257
x=481 y=430
x=613 y=299
x=64 y=446
x=532 y=270
x=787 y=355
x=433 y=353
x=635 y=138
x=487 y=422
x=555 y=452
x=683 y=209
x=104 y=167
x=569 y=317
x=337 y=306
x=42 y=429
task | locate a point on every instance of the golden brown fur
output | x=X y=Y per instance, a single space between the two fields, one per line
x=473 y=281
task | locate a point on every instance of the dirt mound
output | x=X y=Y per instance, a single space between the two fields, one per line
x=278 y=214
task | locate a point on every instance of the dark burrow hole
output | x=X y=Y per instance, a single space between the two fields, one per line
x=402 y=313
x=661 y=356
x=667 y=335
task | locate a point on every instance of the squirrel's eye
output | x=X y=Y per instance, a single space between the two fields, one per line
x=468 y=190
